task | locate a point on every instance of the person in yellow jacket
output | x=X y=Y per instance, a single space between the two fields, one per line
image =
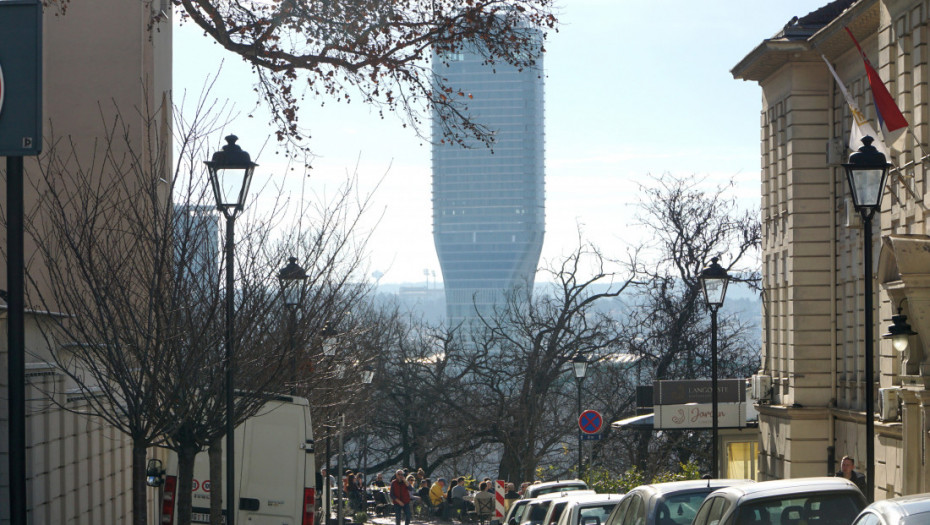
x=437 y=497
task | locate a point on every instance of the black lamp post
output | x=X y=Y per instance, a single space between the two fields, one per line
x=714 y=280
x=230 y=174
x=866 y=172
x=292 y=277
x=580 y=367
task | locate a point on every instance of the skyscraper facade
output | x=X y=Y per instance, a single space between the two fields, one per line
x=489 y=204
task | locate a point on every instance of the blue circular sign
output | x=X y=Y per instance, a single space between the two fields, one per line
x=590 y=422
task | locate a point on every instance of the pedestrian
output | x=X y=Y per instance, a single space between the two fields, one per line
x=400 y=496
x=379 y=481
x=437 y=497
x=848 y=471
x=490 y=485
x=510 y=496
x=484 y=500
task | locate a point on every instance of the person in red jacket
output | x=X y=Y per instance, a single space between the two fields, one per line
x=400 y=496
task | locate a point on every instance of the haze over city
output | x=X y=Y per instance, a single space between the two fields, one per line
x=626 y=97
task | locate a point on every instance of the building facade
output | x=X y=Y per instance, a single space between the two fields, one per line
x=103 y=61
x=811 y=387
x=489 y=204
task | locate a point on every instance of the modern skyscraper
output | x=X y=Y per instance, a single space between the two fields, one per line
x=489 y=204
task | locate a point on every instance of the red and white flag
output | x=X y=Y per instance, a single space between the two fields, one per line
x=890 y=118
x=861 y=127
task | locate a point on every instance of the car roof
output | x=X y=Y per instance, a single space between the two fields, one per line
x=594 y=499
x=783 y=487
x=564 y=494
x=672 y=487
x=545 y=484
x=903 y=505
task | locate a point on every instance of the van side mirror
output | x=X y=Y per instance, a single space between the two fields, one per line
x=154 y=473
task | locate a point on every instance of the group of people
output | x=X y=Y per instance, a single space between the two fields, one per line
x=443 y=498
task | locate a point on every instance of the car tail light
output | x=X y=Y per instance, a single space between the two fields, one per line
x=167 y=500
x=309 y=500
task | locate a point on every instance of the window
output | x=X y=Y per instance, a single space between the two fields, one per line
x=636 y=514
x=741 y=459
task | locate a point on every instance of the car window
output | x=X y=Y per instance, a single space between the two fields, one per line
x=556 y=512
x=518 y=510
x=795 y=509
x=536 y=513
x=921 y=518
x=616 y=517
x=869 y=519
x=703 y=513
x=636 y=514
x=717 y=510
x=679 y=509
x=600 y=512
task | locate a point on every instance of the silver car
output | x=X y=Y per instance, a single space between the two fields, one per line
x=906 y=510
x=673 y=503
x=820 y=501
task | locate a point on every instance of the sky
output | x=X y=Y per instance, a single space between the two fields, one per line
x=633 y=89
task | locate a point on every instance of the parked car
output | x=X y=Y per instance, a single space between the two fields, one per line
x=515 y=512
x=673 y=503
x=906 y=510
x=820 y=501
x=591 y=510
x=537 y=508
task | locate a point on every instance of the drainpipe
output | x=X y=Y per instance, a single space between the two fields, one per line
x=834 y=351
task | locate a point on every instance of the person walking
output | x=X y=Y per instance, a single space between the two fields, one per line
x=400 y=496
x=848 y=471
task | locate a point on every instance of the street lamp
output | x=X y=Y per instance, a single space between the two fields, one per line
x=866 y=172
x=329 y=336
x=714 y=280
x=580 y=367
x=292 y=278
x=899 y=332
x=230 y=174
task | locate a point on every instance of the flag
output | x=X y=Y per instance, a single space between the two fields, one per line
x=860 y=125
x=890 y=118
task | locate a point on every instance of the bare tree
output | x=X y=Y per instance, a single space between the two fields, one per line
x=377 y=50
x=138 y=281
x=667 y=327
x=518 y=361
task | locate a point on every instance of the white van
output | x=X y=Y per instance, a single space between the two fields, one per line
x=275 y=470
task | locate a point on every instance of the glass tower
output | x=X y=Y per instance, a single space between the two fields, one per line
x=489 y=204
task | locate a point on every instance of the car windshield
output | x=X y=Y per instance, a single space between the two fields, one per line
x=537 y=513
x=794 y=509
x=680 y=509
x=597 y=511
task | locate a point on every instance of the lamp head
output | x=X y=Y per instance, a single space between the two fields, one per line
x=867 y=172
x=230 y=175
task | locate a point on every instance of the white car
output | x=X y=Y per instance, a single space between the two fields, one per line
x=589 y=510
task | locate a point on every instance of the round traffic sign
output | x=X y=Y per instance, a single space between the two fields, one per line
x=590 y=422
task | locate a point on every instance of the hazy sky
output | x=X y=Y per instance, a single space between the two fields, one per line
x=632 y=88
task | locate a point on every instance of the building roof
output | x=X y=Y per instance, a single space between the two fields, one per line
x=804 y=39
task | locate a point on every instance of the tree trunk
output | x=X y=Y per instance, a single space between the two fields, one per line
x=517 y=464
x=139 y=503
x=186 y=455
x=216 y=481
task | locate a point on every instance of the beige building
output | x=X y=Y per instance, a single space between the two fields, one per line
x=100 y=58
x=813 y=312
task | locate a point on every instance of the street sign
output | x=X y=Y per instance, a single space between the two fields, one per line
x=590 y=437
x=590 y=422
x=21 y=83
